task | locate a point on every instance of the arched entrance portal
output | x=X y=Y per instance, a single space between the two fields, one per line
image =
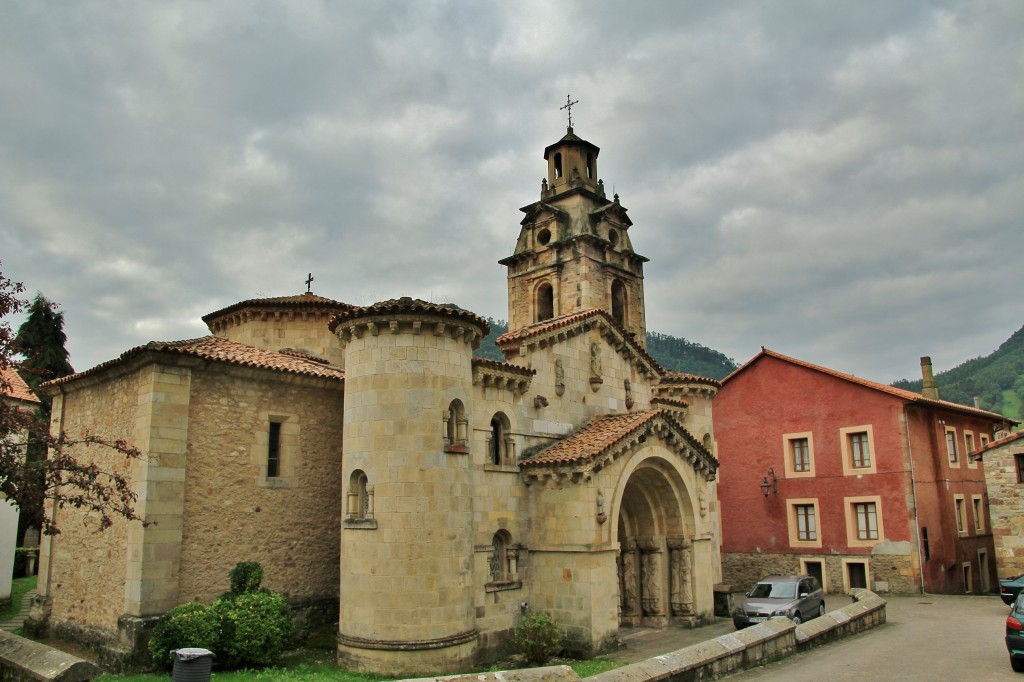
x=655 y=532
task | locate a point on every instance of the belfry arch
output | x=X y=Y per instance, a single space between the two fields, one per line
x=655 y=528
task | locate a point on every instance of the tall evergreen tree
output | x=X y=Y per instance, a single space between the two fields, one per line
x=40 y=341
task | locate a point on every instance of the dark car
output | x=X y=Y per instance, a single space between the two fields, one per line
x=1010 y=588
x=797 y=597
x=1015 y=634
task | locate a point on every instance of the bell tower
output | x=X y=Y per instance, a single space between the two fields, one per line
x=574 y=252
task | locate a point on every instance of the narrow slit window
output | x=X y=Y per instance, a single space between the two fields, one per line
x=274 y=450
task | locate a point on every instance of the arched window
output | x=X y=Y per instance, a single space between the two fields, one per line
x=456 y=427
x=545 y=302
x=590 y=166
x=500 y=449
x=360 y=496
x=613 y=238
x=619 y=302
x=503 y=560
x=558 y=165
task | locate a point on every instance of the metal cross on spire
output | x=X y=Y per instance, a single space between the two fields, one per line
x=568 y=105
x=309 y=281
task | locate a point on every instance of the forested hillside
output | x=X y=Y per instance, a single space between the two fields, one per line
x=998 y=379
x=672 y=353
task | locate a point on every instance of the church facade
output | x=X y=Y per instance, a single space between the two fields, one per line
x=386 y=478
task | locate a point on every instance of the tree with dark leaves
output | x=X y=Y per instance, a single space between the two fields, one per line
x=64 y=477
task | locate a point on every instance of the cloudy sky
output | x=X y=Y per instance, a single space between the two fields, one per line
x=838 y=181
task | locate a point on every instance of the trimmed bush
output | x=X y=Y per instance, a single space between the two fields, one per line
x=188 y=625
x=537 y=638
x=246 y=576
x=255 y=628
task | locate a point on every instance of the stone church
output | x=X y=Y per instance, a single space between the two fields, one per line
x=387 y=479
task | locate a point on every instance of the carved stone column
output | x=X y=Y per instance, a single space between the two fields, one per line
x=681 y=593
x=630 y=601
x=650 y=577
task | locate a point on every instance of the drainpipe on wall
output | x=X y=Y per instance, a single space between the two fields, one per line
x=913 y=491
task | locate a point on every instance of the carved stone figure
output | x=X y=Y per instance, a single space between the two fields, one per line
x=559 y=377
x=650 y=595
x=629 y=394
x=629 y=601
x=680 y=593
x=595 y=360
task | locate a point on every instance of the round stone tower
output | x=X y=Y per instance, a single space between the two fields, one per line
x=407 y=540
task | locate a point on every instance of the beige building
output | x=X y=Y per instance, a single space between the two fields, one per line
x=16 y=394
x=386 y=478
x=1004 y=478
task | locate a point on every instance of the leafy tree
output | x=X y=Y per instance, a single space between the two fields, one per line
x=63 y=477
x=40 y=341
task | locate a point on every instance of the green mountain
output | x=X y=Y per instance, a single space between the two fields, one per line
x=997 y=379
x=672 y=353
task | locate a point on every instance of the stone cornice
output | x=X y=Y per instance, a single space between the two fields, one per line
x=490 y=373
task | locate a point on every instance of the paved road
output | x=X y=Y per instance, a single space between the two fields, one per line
x=925 y=638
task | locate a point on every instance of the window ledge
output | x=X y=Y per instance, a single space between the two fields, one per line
x=456 y=449
x=360 y=524
x=507 y=468
x=275 y=482
x=503 y=585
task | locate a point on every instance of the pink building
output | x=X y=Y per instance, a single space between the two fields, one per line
x=858 y=483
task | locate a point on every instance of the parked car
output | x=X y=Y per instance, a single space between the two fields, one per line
x=1015 y=634
x=1010 y=588
x=797 y=597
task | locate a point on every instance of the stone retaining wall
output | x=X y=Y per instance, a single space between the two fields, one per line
x=717 y=657
x=22 y=660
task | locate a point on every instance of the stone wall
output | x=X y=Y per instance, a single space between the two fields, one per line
x=83 y=569
x=1006 y=507
x=888 y=573
x=290 y=524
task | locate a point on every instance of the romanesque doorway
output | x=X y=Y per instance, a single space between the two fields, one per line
x=655 y=533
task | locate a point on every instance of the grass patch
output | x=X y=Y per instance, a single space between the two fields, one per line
x=19 y=586
x=304 y=672
x=594 y=666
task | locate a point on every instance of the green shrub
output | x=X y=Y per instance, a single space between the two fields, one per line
x=246 y=576
x=188 y=625
x=537 y=638
x=255 y=628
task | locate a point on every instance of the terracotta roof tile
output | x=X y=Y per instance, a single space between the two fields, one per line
x=591 y=439
x=503 y=366
x=546 y=326
x=299 y=301
x=217 y=349
x=1005 y=440
x=509 y=339
x=408 y=305
x=13 y=386
x=903 y=394
x=683 y=378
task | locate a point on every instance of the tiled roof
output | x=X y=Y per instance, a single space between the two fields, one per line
x=217 y=349
x=503 y=366
x=546 y=325
x=1005 y=440
x=903 y=394
x=510 y=339
x=592 y=438
x=682 y=378
x=13 y=386
x=408 y=305
x=603 y=439
x=297 y=302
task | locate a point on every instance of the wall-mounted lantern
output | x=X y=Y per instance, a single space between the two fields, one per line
x=770 y=484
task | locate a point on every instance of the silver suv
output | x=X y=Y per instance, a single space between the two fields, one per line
x=797 y=597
